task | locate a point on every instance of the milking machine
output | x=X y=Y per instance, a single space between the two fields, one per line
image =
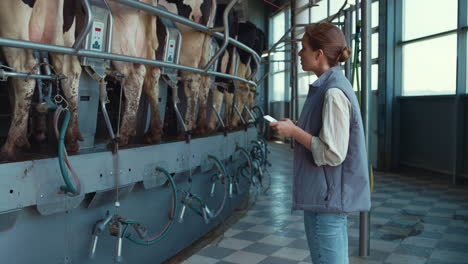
x=97 y=37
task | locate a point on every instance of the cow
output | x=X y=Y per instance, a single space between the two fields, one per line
x=135 y=34
x=45 y=21
x=195 y=51
x=226 y=64
x=254 y=38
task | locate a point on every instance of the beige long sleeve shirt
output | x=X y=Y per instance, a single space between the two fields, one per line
x=331 y=145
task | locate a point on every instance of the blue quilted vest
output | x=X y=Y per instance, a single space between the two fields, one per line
x=331 y=189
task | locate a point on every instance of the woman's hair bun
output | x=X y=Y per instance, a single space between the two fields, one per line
x=345 y=54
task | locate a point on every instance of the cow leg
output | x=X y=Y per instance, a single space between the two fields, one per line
x=204 y=87
x=217 y=104
x=71 y=68
x=23 y=90
x=191 y=54
x=202 y=104
x=132 y=86
x=240 y=99
x=229 y=98
x=191 y=90
x=151 y=88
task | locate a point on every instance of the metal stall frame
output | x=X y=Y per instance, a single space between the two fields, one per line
x=77 y=51
x=45 y=196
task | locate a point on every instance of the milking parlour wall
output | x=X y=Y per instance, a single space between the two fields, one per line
x=177 y=190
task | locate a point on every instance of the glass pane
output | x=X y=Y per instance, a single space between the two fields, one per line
x=426 y=17
x=430 y=67
x=303 y=16
x=375 y=45
x=278 y=66
x=375 y=77
x=375 y=14
x=278 y=26
x=278 y=87
x=319 y=12
x=335 y=6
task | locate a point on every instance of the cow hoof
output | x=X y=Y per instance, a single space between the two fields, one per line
x=8 y=153
x=72 y=146
x=149 y=138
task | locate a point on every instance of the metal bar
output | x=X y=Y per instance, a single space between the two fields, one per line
x=7 y=74
x=348 y=34
x=110 y=56
x=161 y=13
x=364 y=225
x=441 y=34
x=219 y=117
x=459 y=106
x=89 y=23
x=240 y=115
x=111 y=27
x=226 y=35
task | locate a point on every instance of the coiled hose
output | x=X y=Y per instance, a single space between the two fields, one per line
x=223 y=170
x=161 y=235
x=63 y=155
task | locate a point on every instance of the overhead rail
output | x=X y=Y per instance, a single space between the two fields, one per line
x=110 y=56
x=76 y=51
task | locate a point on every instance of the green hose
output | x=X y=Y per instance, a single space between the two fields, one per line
x=169 y=227
x=258 y=145
x=249 y=160
x=220 y=164
x=68 y=187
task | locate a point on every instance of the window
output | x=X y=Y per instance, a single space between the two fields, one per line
x=430 y=66
x=319 y=12
x=278 y=78
x=427 y=17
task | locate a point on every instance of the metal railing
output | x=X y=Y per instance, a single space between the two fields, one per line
x=75 y=50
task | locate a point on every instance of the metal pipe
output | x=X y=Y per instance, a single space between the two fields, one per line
x=226 y=34
x=5 y=74
x=111 y=27
x=89 y=23
x=111 y=56
x=240 y=115
x=219 y=117
x=364 y=227
x=162 y=13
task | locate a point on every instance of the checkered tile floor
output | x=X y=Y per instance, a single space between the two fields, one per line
x=415 y=219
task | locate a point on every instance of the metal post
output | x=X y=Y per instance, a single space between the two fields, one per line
x=364 y=217
x=348 y=20
x=462 y=70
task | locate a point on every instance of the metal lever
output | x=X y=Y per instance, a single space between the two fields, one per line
x=118 y=250
x=220 y=120
x=98 y=228
x=230 y=189
x=252 y=120
x=240 y=115
x=182 y=213
x=213 y=185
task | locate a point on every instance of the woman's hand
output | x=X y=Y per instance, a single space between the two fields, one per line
x=285 y=127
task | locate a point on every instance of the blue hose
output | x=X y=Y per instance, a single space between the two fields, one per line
x=68 y=187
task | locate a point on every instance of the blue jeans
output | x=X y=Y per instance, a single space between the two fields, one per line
x=327 y=236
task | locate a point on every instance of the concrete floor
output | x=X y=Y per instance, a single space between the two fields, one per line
x=416 y=218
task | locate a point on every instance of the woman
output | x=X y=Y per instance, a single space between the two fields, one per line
x=331 y=176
